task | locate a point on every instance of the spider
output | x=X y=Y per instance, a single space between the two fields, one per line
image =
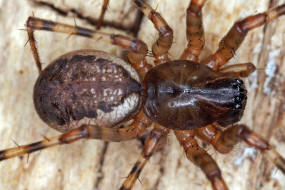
x=222 y=79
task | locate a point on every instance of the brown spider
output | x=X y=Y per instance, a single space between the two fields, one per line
x=218 y=88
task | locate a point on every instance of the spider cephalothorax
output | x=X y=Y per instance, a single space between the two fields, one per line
x=187 y=95
x=89 y=93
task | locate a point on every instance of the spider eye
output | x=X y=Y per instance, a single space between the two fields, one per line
x=239 y=81
x=240 y=94
x=238 y=106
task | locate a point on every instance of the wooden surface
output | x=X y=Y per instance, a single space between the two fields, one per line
x=94 y=164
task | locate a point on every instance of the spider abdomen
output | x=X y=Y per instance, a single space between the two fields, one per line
x=186 y=95
x=86 y=86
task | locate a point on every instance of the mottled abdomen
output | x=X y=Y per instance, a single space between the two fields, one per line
x=89 y=87
x=187 y=95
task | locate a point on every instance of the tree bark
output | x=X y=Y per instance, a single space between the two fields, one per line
x=94 y=164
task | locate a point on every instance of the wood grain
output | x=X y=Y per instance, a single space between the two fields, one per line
x=94 y=164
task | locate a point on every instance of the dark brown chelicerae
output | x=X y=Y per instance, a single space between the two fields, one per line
x=89 y=93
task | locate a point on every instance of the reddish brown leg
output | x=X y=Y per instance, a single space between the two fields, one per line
x=201 y=158
x=152 y=142
x=225 y=141
x=34 y=49
x=231 y=42
x=212 y=135
x=103 y=11
x=137 y=48
x=239 y=70
x=71 y=136
x=162 y=45
x=85 y=131
x=194 y=32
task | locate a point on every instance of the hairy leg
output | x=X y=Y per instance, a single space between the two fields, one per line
x=231 y=42
x=141 y=122
x=71 y=136
x=195 y=31
x=151 y=144
x=201 y=158
x=224 y=141
x=103 y=11
x=137 y=48
x=239 y=70
x=34 y=49
x=162 y=45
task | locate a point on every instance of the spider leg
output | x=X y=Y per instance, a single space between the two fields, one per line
x=34 y=49
x=239 y=70
x=71 y=136
x=84 y=131
x=152 y=142
x=225 y=141
x=195 y=31
x=103 y=11
x=231 y=42
x=201 y=158
x=162 y=45
x=217 y=138
x=137 y=48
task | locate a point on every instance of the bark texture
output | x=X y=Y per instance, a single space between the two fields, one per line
x=94 y=164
